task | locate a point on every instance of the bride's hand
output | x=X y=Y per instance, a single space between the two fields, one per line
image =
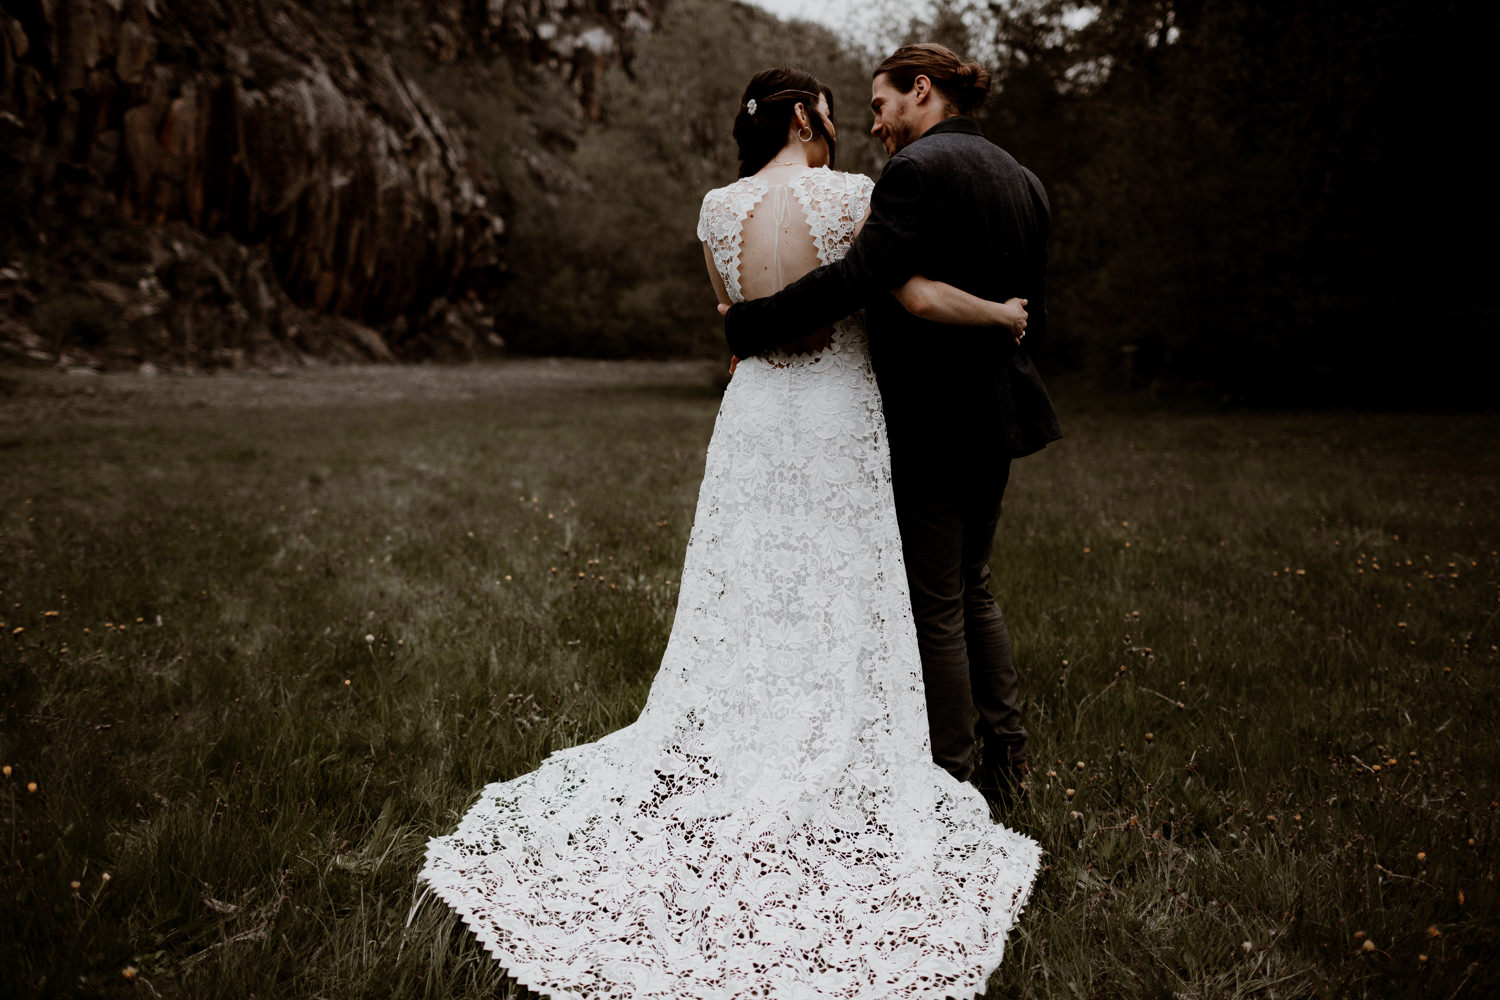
x=734 y=362
x=1012 y=316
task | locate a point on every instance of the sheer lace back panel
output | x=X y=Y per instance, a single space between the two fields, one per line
x=765 y=234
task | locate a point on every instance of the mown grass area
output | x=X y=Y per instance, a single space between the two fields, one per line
x=260 y=644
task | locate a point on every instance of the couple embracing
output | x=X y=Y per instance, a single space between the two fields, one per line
x=804 y=806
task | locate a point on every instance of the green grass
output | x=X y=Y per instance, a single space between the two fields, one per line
x=262 y=638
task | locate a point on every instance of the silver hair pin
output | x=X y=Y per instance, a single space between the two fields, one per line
x=750 y=105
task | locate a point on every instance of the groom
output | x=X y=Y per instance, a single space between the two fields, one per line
x=960 y=402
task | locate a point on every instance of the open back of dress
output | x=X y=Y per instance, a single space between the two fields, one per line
x=776 y=243
x=765 y=234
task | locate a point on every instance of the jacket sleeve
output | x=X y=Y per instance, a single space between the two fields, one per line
x=1036 y=326
x=883 y=257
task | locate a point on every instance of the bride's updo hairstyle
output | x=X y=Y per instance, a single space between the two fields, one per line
x=964 y=85
x=766 y=118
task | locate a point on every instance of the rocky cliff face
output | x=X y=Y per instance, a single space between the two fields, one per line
x=225 y=181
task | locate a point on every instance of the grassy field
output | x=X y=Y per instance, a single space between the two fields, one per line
x=263 y=637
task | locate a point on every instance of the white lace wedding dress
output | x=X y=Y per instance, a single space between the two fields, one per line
x=772 y=825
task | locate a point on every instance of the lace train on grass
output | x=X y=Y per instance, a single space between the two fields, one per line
x=772 y=825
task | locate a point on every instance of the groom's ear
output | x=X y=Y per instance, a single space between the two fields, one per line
x=921 y=88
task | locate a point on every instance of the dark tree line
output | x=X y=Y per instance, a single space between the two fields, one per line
x=1280 y=201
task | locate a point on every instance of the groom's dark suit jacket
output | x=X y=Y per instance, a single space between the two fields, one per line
x=954 y=207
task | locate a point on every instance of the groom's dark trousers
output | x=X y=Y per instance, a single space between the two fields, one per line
x=960 y=402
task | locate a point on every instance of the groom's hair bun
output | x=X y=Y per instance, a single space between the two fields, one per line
x=963 y=85
x=766 y=115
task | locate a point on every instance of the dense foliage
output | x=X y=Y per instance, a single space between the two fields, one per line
x=1261 y=198
x=1274 y=198
x=604 y=259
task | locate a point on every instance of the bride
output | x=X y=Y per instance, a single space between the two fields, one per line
x=772 y=825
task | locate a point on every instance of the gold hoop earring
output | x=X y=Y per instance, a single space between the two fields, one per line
x=808 y=136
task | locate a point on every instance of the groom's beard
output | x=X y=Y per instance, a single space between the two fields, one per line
x=898 y=135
